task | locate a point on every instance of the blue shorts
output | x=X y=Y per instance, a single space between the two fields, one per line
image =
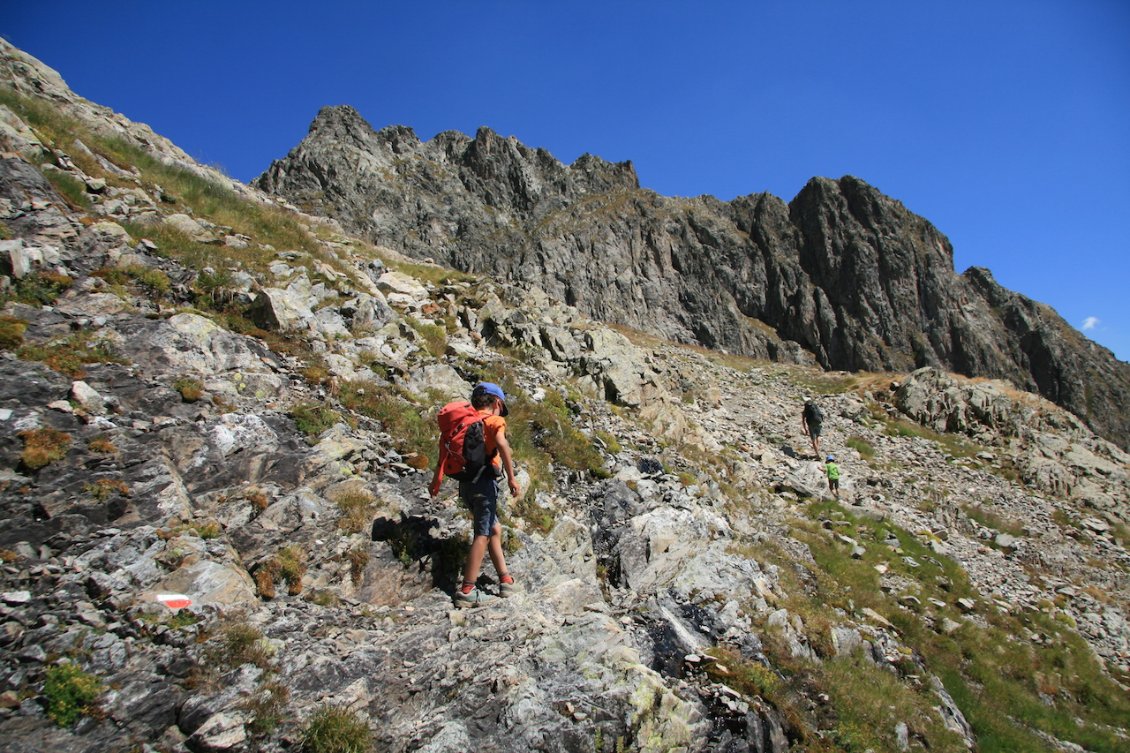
x=481 y=497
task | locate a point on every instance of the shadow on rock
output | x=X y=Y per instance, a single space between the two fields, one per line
x=414 y=542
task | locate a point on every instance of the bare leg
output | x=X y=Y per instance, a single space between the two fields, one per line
x=494 y=548
x=475 y=559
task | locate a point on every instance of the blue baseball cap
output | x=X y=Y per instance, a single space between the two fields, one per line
x=490 y=388
x=831 y=458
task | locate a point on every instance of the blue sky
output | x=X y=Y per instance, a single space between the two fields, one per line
x=1004 y=123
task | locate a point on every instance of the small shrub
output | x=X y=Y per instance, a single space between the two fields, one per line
x=11 y=332
x=238 y=644
x=43 y=446
x=70 y=693
x=433 y=335
x=265 y=579
x=190 y=389
x=267 y=707
x=527 y=509
x=104 y=488
x=287 y=564
x=259 y=499
x=356 y=508
x=334 y=730
x=358 y=560
x=611 y=443
x=102 y=444
x=39 y=289
x=209 y=530
x=312 y=419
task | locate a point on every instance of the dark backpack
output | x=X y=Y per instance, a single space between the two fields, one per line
x=462 y=441
x=812 y=414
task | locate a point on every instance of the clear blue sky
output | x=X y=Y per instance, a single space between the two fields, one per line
x=1004 y=123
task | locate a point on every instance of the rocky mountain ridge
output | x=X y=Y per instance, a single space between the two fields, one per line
x=841 y=276
x=217 y=399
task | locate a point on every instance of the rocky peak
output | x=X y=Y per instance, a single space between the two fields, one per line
x=603 y=176
x=844 y=275
x=333 y=120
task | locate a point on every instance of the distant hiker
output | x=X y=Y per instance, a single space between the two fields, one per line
x=833 y=476
x=473 y=449
x=811 y=418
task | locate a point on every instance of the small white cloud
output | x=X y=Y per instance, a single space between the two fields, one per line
x=1090 y=323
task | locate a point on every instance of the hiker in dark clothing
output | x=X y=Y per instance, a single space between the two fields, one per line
x=811 y=419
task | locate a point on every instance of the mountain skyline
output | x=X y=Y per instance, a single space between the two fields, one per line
x=1002 y=125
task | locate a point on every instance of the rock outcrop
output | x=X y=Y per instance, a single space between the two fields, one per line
x=842 y=276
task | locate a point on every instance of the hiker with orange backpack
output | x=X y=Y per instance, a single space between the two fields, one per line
x=474 y=450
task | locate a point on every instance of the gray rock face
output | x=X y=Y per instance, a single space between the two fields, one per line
x=842 y=275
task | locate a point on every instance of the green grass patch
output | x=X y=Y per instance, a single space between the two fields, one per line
x=952 y=444
x=860 y=445
x=69 y=187
x=71 y=354
x=312 y=419
x=204 y=196
x=611 y=442
x=992 y=520
x=37 y=289
x=536 y=516
x=544 y=436
x=1007 y=683
x=428 y=272
x=747 y=677
x=399 y=414
x=434 y=336
x=871 y=701
x=153 y=281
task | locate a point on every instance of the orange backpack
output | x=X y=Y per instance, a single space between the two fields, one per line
x=462 y=441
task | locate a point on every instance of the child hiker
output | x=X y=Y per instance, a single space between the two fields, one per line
x=479 y=488
x=833 y=476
